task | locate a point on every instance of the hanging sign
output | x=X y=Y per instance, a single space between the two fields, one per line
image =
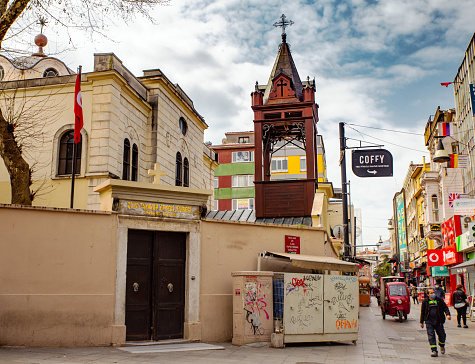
x=372 y=163
x=434 y=257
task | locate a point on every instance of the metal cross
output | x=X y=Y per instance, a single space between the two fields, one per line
x=283 y=23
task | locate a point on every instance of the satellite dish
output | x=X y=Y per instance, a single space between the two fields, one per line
x=338 y=231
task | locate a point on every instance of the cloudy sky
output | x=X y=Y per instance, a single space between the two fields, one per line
x=377 y=65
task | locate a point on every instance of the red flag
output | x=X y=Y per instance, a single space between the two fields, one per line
x=446 y=84
x=78 y=119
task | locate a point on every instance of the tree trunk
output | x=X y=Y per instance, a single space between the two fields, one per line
x=18 y=168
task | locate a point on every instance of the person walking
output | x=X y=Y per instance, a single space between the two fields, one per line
x=433 y=313
x=414 y=294
x=439 y=291
x=459 y=298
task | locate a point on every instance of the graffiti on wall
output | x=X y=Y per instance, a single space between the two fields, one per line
x=304 y=297
x=255 y=304
x=343 y=302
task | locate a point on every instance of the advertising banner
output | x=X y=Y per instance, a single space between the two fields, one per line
x=434 y=257
x=450 y=255
x=464 y=207
x=463 y=243
x=451 y=229
x=400 y=208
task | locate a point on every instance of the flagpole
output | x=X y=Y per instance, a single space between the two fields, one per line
x=75 y=147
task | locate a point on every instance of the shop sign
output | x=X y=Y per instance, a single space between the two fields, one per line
x=442 y=271
x=450 y=255
x=451 y=229
x=372 y=163
x=464 y=207
x=434 y=257
x=159 y=209
x=463 y=242
x=292 y=244
x=435 y=227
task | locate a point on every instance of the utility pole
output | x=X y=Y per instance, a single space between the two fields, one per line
x=344 y=193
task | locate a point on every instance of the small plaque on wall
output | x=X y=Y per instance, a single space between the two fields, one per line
x=292 y=244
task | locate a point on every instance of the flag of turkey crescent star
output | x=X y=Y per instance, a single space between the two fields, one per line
x=78 y=120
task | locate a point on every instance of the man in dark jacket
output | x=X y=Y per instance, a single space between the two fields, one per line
x=433 y=313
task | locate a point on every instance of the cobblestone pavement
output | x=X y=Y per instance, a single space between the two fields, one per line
x=380 y=341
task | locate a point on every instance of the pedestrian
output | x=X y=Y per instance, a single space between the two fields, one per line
x=459 y=299
x=439 y=291
x=414 y=294
x=433 y=313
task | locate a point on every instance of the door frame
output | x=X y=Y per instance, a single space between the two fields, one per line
x=192 y=326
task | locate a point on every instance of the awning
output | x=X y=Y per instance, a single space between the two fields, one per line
x=465 y=267
x=315 y=262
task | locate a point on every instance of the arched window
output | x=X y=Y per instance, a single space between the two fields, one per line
x=183 y=126
x=126 y=161
x=178 y=170
x=135 y=162
x=435 y=208
x=50 y=72
x=186 y=173
x=66 y=145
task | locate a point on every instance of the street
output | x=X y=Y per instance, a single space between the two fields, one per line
x=380 y=341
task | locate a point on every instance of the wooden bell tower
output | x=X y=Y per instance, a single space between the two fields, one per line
x=285 y=113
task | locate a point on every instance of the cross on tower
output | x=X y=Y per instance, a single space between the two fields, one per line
x=156 y=173
x=281 y=85
x=283 y=23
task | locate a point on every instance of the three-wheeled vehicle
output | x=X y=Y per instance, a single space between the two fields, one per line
x=395 y=298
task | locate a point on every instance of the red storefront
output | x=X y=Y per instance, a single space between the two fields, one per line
x=447 y=257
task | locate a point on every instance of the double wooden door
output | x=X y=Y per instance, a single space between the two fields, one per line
x=155 y=292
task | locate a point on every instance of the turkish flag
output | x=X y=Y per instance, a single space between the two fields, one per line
x=446 y=84
x=78 y=119
x=435 y=257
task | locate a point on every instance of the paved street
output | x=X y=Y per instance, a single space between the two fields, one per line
x=379 y=342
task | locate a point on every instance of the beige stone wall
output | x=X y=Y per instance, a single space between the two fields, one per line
x=234 y=246
x=57 y=271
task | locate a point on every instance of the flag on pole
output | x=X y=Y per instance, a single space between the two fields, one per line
x=445 y=129
x=78 y=120
x=446 y=84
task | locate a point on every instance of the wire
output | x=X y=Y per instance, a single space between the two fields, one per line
x=397 y=145
x=395 y=131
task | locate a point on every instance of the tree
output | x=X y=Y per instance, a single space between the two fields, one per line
x=384 y=268
x=18 y=16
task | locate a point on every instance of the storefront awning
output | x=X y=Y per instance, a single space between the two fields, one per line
x=465 y=267
x=315 y=262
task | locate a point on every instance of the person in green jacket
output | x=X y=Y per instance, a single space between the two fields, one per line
x=433 y=313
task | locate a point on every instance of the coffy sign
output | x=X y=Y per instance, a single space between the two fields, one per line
x=435 y=257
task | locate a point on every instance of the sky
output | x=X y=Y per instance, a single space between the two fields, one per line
x=377 y=65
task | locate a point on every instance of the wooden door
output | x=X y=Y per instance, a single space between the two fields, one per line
x=169 y=310
x=138 y=311
x=341 y=304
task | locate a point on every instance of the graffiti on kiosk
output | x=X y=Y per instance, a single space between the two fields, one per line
x=346 y=324
x=255 y=305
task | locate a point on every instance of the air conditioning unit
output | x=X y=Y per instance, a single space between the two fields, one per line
x=466 y=220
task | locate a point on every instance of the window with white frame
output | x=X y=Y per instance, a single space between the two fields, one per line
x=243 y=204
x=216 y=182
x=243 y=180
x=215 y=205
x=279 y=164
x=303 y=164
x=243 y=156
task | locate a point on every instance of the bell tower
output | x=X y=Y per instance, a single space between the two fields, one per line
x=285 y=113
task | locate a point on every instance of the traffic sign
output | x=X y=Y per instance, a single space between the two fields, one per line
x=372 y=163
